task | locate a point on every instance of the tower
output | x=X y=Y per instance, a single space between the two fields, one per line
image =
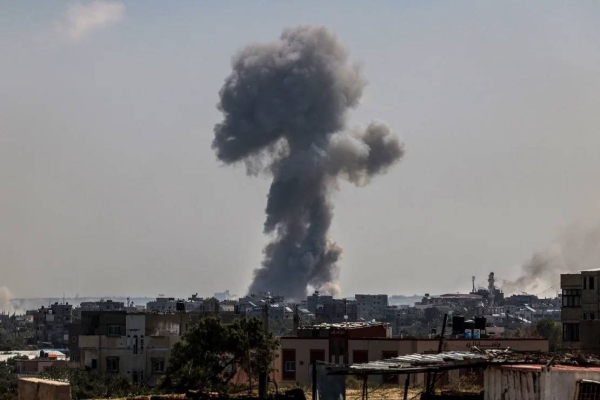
x=491 y=287
x=473 y=279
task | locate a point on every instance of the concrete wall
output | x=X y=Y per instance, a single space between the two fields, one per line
x=40 y=389
x=303 y=346
x=528 y=382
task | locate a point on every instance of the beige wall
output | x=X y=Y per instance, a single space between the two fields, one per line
x=302 y=347
x=40 y=389
x=376 y=347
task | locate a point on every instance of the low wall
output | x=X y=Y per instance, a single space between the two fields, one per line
x=42 y=389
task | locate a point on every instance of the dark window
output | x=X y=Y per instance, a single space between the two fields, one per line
x=584 y=282
x=288 y=359
x=584 y=316
x=592 y=316
x=571 y=332
x=94 y=363
x=317 y=355
x=135 y=344
x=591 y=285
x=571 y=298
x=360 y=357
x=158 y=365
x=112 y=364
x=114 y=330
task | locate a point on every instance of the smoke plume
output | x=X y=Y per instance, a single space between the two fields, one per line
x=574 y=250
x=6 y=297
x=284 y=107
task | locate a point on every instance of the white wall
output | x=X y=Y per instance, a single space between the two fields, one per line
x=518 y=383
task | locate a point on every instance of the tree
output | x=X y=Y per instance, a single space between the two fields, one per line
x=8 y=380
x=211 y=353
x=94 y=384
x=548 y=329
x=212 y=305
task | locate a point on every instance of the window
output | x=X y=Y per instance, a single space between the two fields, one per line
x=591 y=282
x=135 y=344
x=592 y=316
x=290 y=366
x=584 y=316
x=112 y=364
x=94 y=363
x=158 y=365
x=571 y=332
x=114 y=330
x=571 y=298
x=142 y=343
x=584 y=283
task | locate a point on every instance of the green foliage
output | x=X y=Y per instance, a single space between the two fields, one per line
x=548 y=329
x=210 y=354
x=93 y=384
x=19 y=343
x=8 y=380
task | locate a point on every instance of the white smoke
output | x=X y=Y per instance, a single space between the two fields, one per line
x=6 y=297
x=577 y=248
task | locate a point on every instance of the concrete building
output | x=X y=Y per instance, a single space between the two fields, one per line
x=580 y=311
x=102 y=305
x=162 y=304
x=371 y=306
x=361 y=346
x=136 y=345
x=318 y=301
x=52 y=324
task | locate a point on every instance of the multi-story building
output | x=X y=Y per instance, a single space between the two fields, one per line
x=52 y=324
x=162 y=304
x=136 y=345
x=580 y=311
x=318 y=300
x=102 y=305
x=371 y=306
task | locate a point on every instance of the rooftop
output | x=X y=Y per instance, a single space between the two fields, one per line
x=414 y=363
x=344 y=325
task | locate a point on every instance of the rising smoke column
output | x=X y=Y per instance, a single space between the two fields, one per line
x=575 y=249
x=284 y=107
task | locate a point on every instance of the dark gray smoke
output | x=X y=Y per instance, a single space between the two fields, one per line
x=284 y=107
x=576 y=249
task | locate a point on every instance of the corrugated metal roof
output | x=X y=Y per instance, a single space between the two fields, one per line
x=423 y=360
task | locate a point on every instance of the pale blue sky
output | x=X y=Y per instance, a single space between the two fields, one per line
x=109 y=185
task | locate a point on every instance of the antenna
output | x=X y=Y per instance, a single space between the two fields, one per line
x=473 y=279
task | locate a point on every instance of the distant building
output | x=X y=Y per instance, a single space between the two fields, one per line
x=102 y=305
x=135 y=345
x=52 y=324
x=318 y=300
x=162 y=304
x=371 y=306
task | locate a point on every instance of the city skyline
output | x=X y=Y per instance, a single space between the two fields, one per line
x=110 y=184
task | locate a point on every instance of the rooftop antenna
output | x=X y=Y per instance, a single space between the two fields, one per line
x=473 y=279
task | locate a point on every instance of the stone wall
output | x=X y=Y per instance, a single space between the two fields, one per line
x=41 y=389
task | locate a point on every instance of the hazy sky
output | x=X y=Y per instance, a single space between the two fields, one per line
x=110 y=187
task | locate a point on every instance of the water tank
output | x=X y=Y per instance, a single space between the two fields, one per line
x=458 y=324
x=470 y=325
x=180 y=306
x=480 y=323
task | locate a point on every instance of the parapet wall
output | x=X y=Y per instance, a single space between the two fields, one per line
x=42 y=389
